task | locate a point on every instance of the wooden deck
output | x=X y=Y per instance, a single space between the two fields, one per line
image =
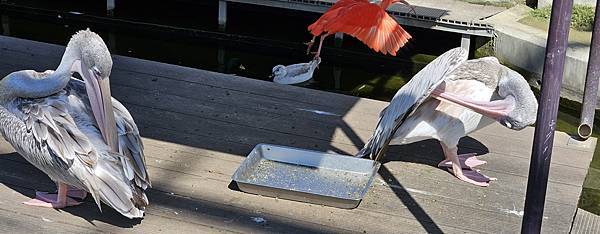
x=199 y=125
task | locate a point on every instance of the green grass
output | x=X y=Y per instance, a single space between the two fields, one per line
x=582 y=18
x=575 y=36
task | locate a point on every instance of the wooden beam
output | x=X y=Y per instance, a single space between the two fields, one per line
x=465 y=41
x=222 y=14
x=5 y=26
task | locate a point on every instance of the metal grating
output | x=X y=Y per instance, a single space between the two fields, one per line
x=425 y=17
x=585 y=223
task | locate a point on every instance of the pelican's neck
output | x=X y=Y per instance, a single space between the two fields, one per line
x=31 y=84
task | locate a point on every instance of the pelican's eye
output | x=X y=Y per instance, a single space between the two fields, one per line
x=97 y=72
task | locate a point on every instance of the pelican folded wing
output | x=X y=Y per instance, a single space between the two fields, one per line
x=409 y=97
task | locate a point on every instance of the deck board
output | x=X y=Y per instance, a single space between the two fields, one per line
x=198 y=126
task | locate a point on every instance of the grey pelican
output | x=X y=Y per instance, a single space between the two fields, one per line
x=73 y=130
x=295 y=73
x=450 y=98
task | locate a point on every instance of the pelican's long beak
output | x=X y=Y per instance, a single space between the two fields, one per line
x=498 y=109
x=98 y=90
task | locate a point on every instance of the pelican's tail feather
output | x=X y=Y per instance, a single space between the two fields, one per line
x=114 y=189
x=408 y=99
x=365 y=151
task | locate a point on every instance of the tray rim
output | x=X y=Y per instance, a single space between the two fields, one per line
x=375 y=168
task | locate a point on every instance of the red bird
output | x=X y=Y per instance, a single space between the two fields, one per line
x=366 y=21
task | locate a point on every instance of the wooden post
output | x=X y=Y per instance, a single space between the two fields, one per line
x=590 y=91
x=112 y=42
x=465 y=41
x=222 y=15
x=221 y=59
x=5 y=26
x=339 y=39
x=110 y=7
x=337 y=77
x=543 y=138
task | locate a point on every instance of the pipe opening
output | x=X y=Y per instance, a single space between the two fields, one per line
x=584 y=130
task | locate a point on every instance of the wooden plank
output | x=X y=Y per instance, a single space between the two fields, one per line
x=242 y=117
x=169 y=211
x=14 y=221
x=560 y=140
x=206 y=93
x=521 y=148
x=189 y=164
x=224 y=208
x=379 y=200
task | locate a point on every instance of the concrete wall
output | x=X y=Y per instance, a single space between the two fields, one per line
x=527 y=52
x=543 y=3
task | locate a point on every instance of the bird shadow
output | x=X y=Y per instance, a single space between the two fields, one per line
x=429 y=152
x=28 y=179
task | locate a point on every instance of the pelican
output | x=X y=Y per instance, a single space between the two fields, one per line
x=450 y=98
x=73 y=130
x=295 y=73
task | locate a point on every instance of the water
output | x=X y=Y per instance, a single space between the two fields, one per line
x=255 y=40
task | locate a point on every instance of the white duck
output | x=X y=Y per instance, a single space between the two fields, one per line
x=295 y=73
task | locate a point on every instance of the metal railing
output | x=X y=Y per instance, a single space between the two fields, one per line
x=590 y=93
x=403 y=17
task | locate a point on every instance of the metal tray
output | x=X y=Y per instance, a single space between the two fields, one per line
x=306 y=175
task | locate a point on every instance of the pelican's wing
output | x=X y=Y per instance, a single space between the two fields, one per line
x=408 y=99
x=130 y=143
x=51 y=124
x=131 y=146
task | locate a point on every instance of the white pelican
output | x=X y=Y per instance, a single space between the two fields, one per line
x=446 y=101
x=74 y=132
x=295 y=73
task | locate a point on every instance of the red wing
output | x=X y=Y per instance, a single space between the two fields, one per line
x=372 y=25
x=318 y=27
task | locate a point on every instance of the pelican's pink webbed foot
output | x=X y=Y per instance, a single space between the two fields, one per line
x=468 y=175
x=467 y=161
x=76 y=193
x=59 y=200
